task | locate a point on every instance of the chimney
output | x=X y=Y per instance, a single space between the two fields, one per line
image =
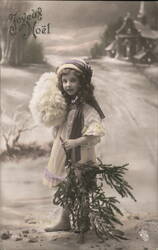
x=141 y=15
x=142 y=8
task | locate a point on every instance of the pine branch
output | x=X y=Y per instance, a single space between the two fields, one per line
x=86 y=201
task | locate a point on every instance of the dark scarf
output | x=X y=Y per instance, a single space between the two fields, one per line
x=96 y=106
x=76 y=129
x=77 y=126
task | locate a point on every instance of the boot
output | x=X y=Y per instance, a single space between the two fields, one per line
x=63 y=224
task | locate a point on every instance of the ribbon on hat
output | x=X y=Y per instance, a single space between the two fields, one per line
x=79 y=65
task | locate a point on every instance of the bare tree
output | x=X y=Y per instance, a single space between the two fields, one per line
x=12 y=134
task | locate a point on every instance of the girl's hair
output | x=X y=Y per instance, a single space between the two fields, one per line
x=86 y=88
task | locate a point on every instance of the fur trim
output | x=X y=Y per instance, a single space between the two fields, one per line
x=47 y=104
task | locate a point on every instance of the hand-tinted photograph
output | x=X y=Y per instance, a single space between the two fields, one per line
x=79 y=125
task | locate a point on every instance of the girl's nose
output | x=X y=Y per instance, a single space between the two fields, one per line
x=68 y=83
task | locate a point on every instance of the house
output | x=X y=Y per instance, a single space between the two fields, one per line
x=134 y=40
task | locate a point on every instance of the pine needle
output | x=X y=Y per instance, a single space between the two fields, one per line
x=88 y=205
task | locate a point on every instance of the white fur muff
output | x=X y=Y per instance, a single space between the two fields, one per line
x=47 y=104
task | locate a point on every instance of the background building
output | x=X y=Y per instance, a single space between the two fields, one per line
x=135 y=40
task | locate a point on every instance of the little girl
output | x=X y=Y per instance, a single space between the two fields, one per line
x=78 y=127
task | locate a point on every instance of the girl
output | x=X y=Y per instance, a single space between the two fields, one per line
x=79 y=128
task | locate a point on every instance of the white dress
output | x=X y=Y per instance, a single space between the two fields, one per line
x=55 y=172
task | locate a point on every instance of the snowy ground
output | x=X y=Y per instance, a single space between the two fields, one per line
x=128 y=96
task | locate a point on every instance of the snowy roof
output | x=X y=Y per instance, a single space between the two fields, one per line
x=127 y=27
x=111 y=46
x=145 y=30
x=127 y=35
x=140 y=55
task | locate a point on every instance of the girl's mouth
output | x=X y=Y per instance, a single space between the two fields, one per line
x=69 y=90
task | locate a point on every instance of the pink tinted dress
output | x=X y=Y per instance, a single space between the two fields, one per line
x=55 y=172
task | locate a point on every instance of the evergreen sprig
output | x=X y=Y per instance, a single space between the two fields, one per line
x=83 y=195
x=114 y=177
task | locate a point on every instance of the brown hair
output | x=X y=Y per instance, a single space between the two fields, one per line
x=86 y=88
x=86 y=91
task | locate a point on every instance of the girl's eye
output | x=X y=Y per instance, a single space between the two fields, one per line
x=64 y=81
x=73 y=79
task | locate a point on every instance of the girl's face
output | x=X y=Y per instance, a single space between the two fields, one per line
x=71 y=83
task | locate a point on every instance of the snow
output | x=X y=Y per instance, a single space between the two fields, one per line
x=128 y=97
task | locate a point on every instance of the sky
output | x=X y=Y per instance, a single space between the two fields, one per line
x=74 y=14
x=77 y=25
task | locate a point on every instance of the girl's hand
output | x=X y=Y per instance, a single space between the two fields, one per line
x=70 y=143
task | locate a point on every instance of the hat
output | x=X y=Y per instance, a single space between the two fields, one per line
x=79 y=65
